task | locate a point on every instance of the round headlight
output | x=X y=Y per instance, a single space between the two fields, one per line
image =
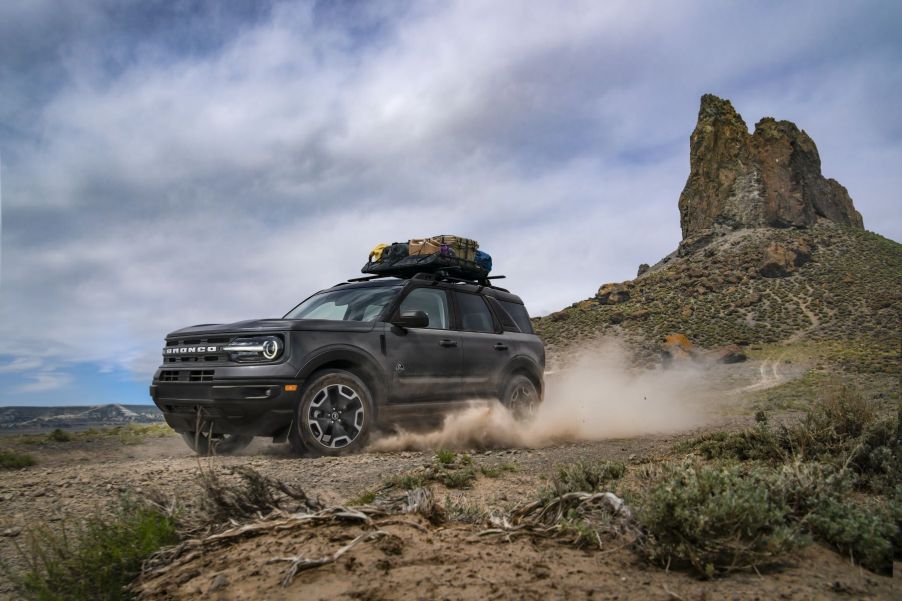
x=271 y=348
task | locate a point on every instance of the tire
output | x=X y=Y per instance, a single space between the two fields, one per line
x=334 y=416
x=521 y=397
x=223 y=444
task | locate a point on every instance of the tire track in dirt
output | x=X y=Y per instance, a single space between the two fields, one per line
x=770 y=375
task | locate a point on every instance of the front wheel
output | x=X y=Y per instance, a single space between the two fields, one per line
x=334 y=416
x=521 y=397
x=217 y=444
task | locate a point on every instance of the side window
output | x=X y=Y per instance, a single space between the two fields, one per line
x=433 y=302
x=518 y=312
x=507 y=322
x=474 y=313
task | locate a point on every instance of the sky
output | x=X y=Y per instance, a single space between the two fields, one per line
x=166 y=163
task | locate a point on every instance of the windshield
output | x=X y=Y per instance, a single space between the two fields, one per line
x=351 y=304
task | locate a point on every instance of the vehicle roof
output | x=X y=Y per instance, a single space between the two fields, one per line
x=389 y=282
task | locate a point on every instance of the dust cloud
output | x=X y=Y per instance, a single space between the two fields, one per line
x=599 y=397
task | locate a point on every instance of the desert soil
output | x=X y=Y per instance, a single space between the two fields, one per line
x=414 y=560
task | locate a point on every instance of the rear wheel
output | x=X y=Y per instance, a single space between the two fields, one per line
x=521 y=397
x=334 y=415
x=217 y=444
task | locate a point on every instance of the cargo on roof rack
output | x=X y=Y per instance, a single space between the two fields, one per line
x=453 y=255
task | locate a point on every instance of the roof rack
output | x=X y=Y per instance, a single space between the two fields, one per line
x=441 y=275
x=371 y=277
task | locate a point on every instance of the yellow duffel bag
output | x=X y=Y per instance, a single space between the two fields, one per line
x=376 y=253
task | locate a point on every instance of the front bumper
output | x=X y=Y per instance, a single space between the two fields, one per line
x=250 y=408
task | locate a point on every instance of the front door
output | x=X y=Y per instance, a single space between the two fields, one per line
x=426 y=362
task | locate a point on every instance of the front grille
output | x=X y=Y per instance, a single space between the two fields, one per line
x=187 y=375
x=203 y=359
x=203 y=340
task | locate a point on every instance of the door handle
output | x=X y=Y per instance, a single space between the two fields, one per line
x=447 y=342
x=500 y=346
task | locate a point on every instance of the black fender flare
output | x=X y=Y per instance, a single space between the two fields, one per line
x=347 y=355
x=523 y=364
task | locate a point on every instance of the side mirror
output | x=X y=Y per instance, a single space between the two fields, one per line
x=412 y=319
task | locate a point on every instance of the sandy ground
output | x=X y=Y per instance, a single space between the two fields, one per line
x=411 y=561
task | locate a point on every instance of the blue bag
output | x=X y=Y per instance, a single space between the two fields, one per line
x=484 y=260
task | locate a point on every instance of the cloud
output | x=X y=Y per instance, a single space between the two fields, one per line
x=166 y=166
x=20 y=364
x=44 y=381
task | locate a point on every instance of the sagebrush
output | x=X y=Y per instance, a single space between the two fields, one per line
x=95 y=560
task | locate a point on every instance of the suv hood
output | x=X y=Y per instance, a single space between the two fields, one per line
x=254 y=326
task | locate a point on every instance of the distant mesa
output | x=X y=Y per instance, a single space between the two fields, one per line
x=44 y=418
x=769 y=178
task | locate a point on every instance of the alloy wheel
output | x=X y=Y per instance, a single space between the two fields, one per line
x=523 y=400
x=336 y=416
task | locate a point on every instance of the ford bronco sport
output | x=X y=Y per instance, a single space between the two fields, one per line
x=369 y=353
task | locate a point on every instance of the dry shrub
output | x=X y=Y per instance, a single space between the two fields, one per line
x=451 y=469
x=13 y=460
x=715 y=519
x=760 y=443
x=584 y=476
x=837 y=419
x=59 y=435
x=254 y=495
x=841 y=429
x=864 y=532
x=96 y=559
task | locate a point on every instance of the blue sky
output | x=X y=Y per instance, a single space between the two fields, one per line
x=170 y=163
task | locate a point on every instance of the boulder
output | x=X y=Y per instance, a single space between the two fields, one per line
x=613 y=294
x=730 y=353
x=677 y=347
x=771 y=177
x=753 y=298
x=781 y=260
x=642 y=269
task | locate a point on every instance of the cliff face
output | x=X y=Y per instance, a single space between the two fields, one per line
x=771 y=177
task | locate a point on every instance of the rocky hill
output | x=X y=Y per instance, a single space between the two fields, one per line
x=772 y=253
x=20 y=419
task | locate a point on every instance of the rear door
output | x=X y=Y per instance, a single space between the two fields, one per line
x=425 y=362
x=485 y=351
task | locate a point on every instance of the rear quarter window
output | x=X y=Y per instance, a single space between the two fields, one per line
x=519 y=314
x=507 y=322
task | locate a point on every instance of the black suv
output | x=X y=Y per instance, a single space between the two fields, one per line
x=365 y=354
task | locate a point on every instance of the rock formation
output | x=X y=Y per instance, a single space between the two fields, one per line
x=613 y=294
x=781 y=260
x=771 y=177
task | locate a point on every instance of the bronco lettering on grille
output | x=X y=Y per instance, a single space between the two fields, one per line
x=190 y=349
